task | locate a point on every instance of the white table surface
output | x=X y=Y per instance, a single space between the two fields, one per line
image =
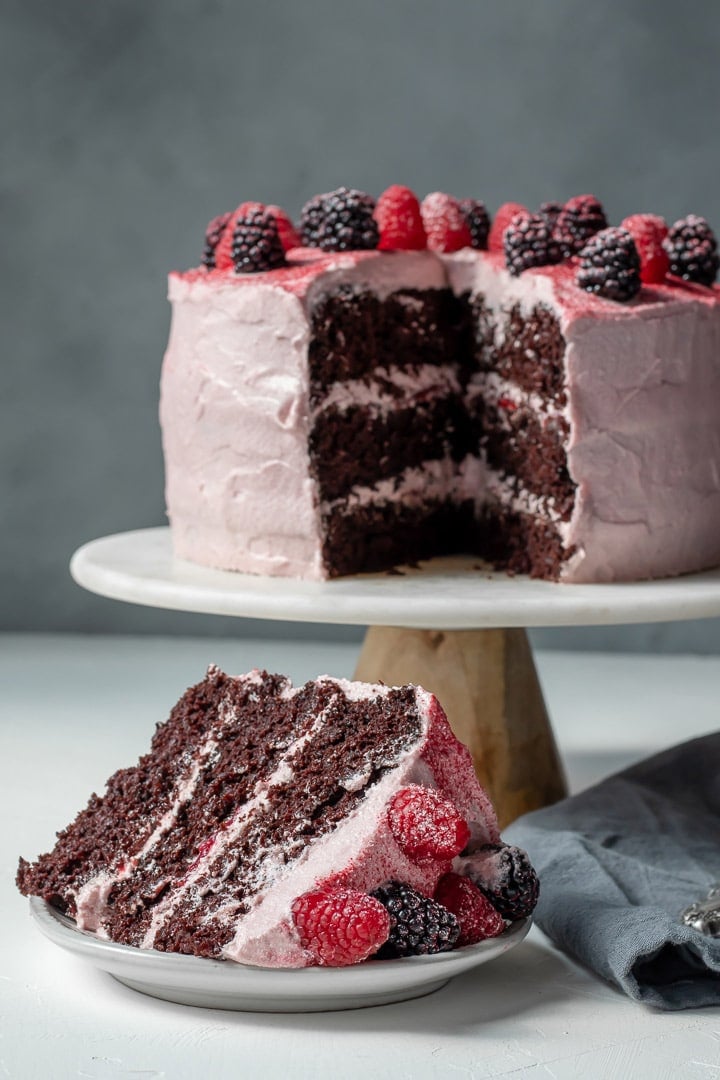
x=74 y=709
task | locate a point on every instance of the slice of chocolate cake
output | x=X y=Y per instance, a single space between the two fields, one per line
x=263 y=818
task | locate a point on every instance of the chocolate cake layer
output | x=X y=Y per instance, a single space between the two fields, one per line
x=355 y=446
x=521 y=543
x=353 y=333
x=530 y=448
x=529 y=350
x=377 y=537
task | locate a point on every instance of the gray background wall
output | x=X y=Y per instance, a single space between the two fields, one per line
x=129 y=123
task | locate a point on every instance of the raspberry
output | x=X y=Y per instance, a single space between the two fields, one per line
x=692 y=249
x=341 y=220
x=610 y=265
x=256 y=243
x=398 y=216
x=213 y=235
x=528 y=242
x=223 y=251
x=478 y=222
x=506 y=877
x=288 y=236
x=425 y=825
x=550 y=211
x=418 y=925
x=648 y=232
x=477 y=917
x=580 y=218
x=445 y=224
x=500 y=223
x=340 y=926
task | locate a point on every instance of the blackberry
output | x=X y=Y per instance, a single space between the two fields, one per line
x=478 y=222
x=580 y=218
x=418 y=925
x=550 y=211
x=256 y=243
x=692 y=250
x=342 y=220
x=508 y=880
x=610 y=265
x=213 y=233
x=528 y=242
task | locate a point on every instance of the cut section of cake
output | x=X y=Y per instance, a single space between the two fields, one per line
x=264 y=815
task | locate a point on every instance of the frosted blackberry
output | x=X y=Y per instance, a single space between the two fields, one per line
x=342 y=220
x=509 y=880
x=213 y=233
x=528 y=242
x=550 y=211
x=418 y=925
x=256 y=243
x=580 y=218
x=692 y=250
x=610 y=265
x=478 y=222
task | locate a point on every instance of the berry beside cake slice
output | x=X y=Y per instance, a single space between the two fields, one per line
x=285 y=826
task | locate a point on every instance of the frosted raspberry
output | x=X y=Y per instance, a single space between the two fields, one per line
x=223 y=251
x=500 y=223
x=340 y=926
x=426 y=826
x=288 y=236
x=477 y=917
x=445 y=223
x=398 y=216
x=649 y=231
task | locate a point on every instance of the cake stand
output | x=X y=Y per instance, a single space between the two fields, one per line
x=448 y=625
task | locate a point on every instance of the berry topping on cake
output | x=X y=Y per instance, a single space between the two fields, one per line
x=550 y=211
x=478 y=222
x=610 y=265
x=288 y=234
x=649 y=231
x=426 y=826
x=502 y=219
x=418 y=925
x=223 y=250
x=477 y=917
x=505 y=875
x=399 y=220
x=213 y=234
x=445 y=224
x=528 y=242
x=256 y=243
x=580 y=218
x=340 y=220
x=340 y=926
x=693 y=251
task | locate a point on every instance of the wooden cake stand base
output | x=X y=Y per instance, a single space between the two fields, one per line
x=487 y=683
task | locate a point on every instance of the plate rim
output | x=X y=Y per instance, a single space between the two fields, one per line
x=138 y=567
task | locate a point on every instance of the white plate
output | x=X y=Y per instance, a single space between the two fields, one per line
x=445 y=594
x=216 y=984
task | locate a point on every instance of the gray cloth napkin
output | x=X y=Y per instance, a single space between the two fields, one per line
x=620 y=861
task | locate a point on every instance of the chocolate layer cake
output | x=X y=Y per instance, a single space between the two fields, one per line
x=355 y=409
x=259 y=801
